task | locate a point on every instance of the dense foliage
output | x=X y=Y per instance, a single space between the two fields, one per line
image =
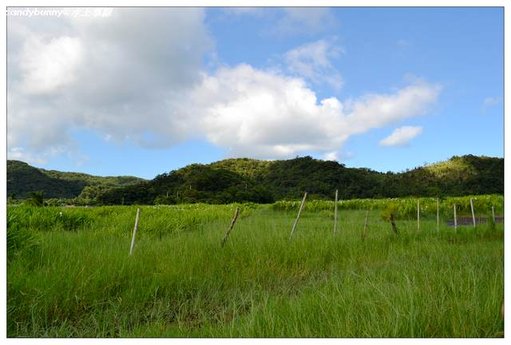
x=248 y=180
x=239 y=180
x=195 y=183
x=23 y=180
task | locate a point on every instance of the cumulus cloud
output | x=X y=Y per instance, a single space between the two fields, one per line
x=261 y=114
x=48 y=66
x=146 y=84
x=266 y=115
x=119 y=76
x=313 y=61
x=401 y=136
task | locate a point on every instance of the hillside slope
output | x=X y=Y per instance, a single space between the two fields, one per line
x=23 y=179
x=241 y=180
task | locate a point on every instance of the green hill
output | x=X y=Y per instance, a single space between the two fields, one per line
x=477 y=174
x=244 y=166
x=249 y=180
x=242 y=180
x=24 y=179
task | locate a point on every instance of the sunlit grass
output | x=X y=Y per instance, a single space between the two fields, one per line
x=78 y=280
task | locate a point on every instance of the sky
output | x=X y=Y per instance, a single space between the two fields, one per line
x=143 y=91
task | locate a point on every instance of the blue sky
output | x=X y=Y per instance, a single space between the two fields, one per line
x=145 y=91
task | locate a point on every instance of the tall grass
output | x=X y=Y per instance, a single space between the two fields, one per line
x=407 y=207
x=81 y=282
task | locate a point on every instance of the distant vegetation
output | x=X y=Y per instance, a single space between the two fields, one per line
x=248 y=180
x=23 y=180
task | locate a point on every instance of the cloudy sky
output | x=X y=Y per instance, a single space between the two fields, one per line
x=142 y=91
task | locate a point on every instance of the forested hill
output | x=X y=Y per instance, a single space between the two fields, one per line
x=24 y=179
x=238 y=180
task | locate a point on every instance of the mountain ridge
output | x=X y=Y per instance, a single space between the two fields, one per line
x=251 y=180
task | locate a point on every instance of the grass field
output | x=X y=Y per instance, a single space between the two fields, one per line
x=69 y=274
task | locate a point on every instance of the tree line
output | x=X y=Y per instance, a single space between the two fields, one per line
x=248 y=180
x=224 y=182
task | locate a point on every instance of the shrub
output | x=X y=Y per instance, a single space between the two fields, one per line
x=19 y=238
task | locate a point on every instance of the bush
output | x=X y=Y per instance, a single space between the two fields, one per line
x=35 y=199
x=19 y=238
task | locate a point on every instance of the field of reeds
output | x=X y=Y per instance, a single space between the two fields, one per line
x=70 y=272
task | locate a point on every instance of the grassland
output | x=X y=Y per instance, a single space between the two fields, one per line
x=69 y=274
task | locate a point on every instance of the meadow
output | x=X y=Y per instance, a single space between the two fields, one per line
x=69 y=272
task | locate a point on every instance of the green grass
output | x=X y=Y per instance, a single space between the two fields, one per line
x=70 y=275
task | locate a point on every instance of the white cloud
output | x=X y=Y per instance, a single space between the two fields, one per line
x=123 y=76
x=258 y=113
x=313 y=61
x=18 y=153
x=145 y=84
x=309 y=20
x=261 y=114
x=374 y=111
x=48 y=66
x=287 y=21
x=401 y=136
x=331 y=156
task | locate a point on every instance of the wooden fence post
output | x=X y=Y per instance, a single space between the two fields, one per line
x=364 y=232
x=455 y=220
x=298 y=216
x=393 y=224
x=418 y=215
x=335 y=211
x=473 y=214
x=134 y=231
x=233 y=221
x=493 y=213
x=437 y=215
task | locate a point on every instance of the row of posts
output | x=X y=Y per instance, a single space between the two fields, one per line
x=418 y=215
x=237 y=211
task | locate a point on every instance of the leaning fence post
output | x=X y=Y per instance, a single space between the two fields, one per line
x=233 y=221
x=473 y=214
x=134 y=231
x=335 y=211
x=298 y=216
